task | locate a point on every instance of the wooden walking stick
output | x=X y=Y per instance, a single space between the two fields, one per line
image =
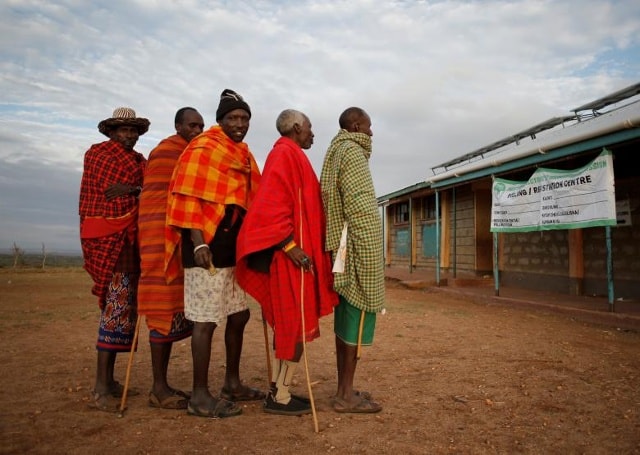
x=360 y=327
x=123 y=401
x=267 y=350
x=304 y=336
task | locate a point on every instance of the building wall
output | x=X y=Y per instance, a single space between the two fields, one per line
x=541 y=260
x=571 y=262
x=421 y=260
x=482 y=234
x=395 y=254
x=405 y=239
x=625 y=248
x=534 y=260
x=458 y=232
x=462 y=231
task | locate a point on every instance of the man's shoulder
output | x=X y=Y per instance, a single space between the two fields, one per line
x=284 y=144
x=209 y=139
x=342 y=147
x=286 y=152
x=174 y=142
x=99 y=149
x=100 y=145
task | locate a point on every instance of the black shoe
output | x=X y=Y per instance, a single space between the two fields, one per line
x=305 y=400
x=295 y=407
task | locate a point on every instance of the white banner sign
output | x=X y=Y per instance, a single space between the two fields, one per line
x=556 y=199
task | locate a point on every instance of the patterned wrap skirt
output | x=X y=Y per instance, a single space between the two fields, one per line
x=119 y=316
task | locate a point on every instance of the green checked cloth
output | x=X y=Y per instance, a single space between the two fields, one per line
x=348 y=195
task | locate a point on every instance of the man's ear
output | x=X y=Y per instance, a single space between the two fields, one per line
x=356 y=127
x=296 y=128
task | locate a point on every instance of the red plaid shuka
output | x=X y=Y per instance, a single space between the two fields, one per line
x=106 y=225
x=213 y=171
x=288 y=203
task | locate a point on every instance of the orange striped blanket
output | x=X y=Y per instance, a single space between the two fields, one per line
x=158 y=300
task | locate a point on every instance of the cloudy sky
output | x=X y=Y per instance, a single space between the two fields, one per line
x=439 y=79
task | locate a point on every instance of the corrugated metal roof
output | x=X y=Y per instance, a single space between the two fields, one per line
x=626 y=117
x=612 y=98
x=529 y=132
x=538 y=159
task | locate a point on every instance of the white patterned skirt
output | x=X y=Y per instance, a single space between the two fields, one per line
x=211 y=298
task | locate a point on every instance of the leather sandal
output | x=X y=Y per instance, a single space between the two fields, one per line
x=219 y=408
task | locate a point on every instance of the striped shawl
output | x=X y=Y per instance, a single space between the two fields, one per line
x=157 y=300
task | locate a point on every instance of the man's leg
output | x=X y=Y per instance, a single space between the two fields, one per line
x=237 y=315
x=160 y=354
x=233 y=339
x=104 y=372
x=339 y=362
x=349 y=325
x=201 y=355
x=200 y=297
x=165 y=358
x=346 y=362
x=280 y=400
x=103 y=396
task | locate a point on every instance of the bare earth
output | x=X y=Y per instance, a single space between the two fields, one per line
x=453 y=377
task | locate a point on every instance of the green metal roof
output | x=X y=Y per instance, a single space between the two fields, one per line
x=403 y=191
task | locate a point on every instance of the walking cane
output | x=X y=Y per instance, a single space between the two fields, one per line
x=304 y=336
x=360 y=327
x=304 y=351
x=266 y=348
x=123 y=402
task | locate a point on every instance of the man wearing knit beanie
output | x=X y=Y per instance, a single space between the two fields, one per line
x=212 y=186
x=229 y=101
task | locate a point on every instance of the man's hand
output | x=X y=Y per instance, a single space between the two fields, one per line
x=202 y=257
x=300 y=258
x=119 y=189
x=201 y=252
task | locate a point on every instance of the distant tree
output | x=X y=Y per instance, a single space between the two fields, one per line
x=18 y=254
x=44 y=255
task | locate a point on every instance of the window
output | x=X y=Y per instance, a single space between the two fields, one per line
x=401 y=213
x=428 y=208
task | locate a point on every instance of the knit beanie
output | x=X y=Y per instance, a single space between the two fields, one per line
x=230 y=100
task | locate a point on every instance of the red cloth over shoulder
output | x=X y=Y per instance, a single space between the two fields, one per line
x=287 y=203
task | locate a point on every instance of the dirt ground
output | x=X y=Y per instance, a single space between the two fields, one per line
x=453 y=377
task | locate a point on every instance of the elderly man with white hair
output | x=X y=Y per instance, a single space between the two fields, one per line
x=281 y=258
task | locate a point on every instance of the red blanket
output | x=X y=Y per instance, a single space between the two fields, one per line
x=105 y=225
x=288 y=202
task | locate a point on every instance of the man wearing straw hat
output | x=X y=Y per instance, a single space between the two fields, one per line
x=354 y=236
x=111 y=182
x=281 y=257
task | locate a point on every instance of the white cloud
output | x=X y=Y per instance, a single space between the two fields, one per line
x=439 y=79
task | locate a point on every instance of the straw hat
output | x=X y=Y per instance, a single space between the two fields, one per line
x=124 y=116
